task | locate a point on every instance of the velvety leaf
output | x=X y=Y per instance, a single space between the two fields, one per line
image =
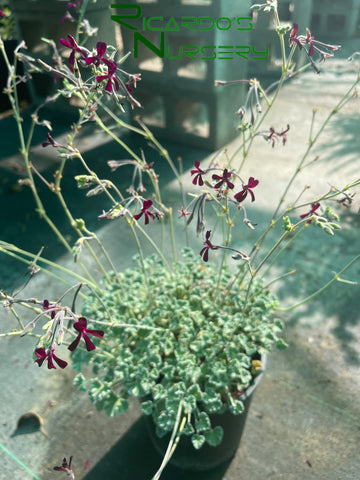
x=236 y=407
x=80 y=382
x=214 y=437
x=114 y=405
x=197 y=440
x=281 y=344
x=188 y=429
x=147 y=407
x=202 y=423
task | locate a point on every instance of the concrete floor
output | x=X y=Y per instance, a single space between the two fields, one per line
x=304 y=422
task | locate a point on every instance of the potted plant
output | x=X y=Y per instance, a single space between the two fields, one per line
x=185 y=334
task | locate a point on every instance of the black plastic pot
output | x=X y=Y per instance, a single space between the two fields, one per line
x=207 y=457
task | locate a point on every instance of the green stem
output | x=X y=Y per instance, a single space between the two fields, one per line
x=9 y=250
x=117 y=139
x=24 y=149
x=323 y=288
x=73 y=224
x=172 y=234
x=17 y=334
x=17 y=317
x=289 y=243
x=339 y=105
x=152 y=243
x=174 y=439
x=82 y=11
x=278 y=243
x=287 y=274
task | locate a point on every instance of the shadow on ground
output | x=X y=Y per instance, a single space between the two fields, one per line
x=341 y=301
x=20 y=223
x=133 y=456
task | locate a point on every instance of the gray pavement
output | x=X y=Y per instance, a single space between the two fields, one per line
x=304 y=422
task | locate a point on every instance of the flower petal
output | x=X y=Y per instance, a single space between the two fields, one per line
x=75 y=343
x=240 y=197
x=96 y=333
x=101 y=48
x=89 y=345
x=62 y=364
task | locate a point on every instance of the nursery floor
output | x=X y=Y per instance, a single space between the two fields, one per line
x=304 y=422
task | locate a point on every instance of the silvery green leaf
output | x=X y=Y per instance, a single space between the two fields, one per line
x=147 y=407
x=203 y=422
x=281 y=344
x=188 y=429
x=80 y=382
x=214 y=437
x=113 y=405
x=195 y=391
x=236 y=407
x=197 y=441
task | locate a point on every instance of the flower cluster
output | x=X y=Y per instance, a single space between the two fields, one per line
x=311 y=46
x=72 y=10
x=106 y=69
x=49 y=354
x=55 y=328
x=7 y=24
x=273 y=136
x=313 y=209
x=66 y=467
x=223 y=186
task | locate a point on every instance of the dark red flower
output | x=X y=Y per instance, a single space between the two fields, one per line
x=96 y=59
x=198 y=178
x=74 y=5
x=314 y=207
x=75 y=49
x=46 y=306
x=252 y=183
x=223 y=179
x=66 y=467
x=71 y=5
x=311 y=45
x=110 y=76
x=310 y=41
x=51 y=142
x=273 y=135
x=81 y=327
x=208 y=246
x=49 y=354
x=145 y=211
x=283 y=134
x=183 y=213
x=293 y=36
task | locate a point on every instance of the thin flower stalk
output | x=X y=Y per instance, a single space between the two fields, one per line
x=278 y=243
x=13 y=311
x=281 y=251
x=336 y=109
x=274 y=220
x=164 y=153
x=9 y=249
x=73 y=222
x=24 y=149
x=336 y=278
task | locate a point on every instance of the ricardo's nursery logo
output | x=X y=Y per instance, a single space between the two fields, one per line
x=163 y=25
